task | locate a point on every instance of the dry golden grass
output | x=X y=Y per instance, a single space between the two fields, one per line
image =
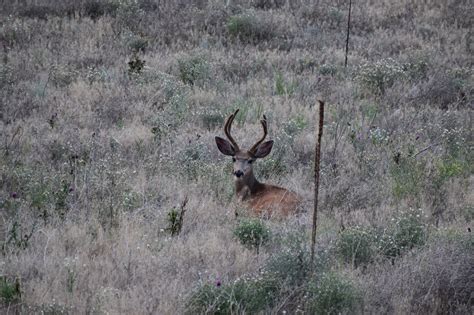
x=93 y=156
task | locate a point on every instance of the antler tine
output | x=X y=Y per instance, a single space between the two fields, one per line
x=227 y=128
x=264 y=125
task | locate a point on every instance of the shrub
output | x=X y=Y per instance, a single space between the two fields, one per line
x=291 y=264
x=191 y=161
x=175 y=221
x=9 y=291
x=379 y=136
x=271 y=166
x=16 y=32
x=252 y=233
x=380 y=75
x=7 y=76
x=268 y=4
x=437 y=279
x=95 y=8
x=245 y=295
x=40 y=12
x=135 y=65
x=282 y=87
x=137 y=44
x=416 y=68
x=356 y=246
x=448 y=168
x=212 y=119
x=62 y=76
x=193 y=70
x=295 y=125
x=406 y=231
x=409 y=229
x=407 y=175
x=129 y=15
x=446 y=88
x=328 y=69
x=332 y=294
x=249 y=28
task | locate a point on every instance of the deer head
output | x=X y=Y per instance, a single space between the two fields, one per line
x=243 y=159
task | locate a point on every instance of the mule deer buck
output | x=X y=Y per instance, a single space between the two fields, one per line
x=262 y=199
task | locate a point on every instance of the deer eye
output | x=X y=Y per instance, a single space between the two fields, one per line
x=251 y=161
x=233 y=159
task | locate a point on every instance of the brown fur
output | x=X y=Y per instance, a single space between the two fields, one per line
x=274 y=201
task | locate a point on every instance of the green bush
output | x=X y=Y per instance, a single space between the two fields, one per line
x=406 y=232
x=193 y=70
x=416 y=68
x=448 y=168
x=407 y=175
x=328 y=69
x=282 y=87
x=356 y=246
x=252 y=233
x=175 y=221
x=9 y=290
x=249 y=28
x=332 y=294
x=380 y=75
x=409 y=229
x=245 y=295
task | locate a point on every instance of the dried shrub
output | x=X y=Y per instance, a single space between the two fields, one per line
x=445 y=89
x=423 y=279
x=250 y=28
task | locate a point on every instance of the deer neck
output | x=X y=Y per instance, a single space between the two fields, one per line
x=248 y=186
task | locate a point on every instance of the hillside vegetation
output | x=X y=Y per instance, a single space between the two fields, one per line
x=115 y=200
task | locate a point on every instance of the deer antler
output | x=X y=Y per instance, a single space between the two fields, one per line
x=264 y=125
x=228 y=126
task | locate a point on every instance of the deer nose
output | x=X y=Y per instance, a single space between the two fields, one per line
x=239 y=173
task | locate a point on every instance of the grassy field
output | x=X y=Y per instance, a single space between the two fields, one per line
x=115 y=200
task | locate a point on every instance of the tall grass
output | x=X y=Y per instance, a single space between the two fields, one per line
x=108 y=110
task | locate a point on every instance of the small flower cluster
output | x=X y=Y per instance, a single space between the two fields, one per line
x=379 y=135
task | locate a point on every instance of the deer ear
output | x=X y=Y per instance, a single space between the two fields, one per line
x=225 y=147
x=264 y=149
